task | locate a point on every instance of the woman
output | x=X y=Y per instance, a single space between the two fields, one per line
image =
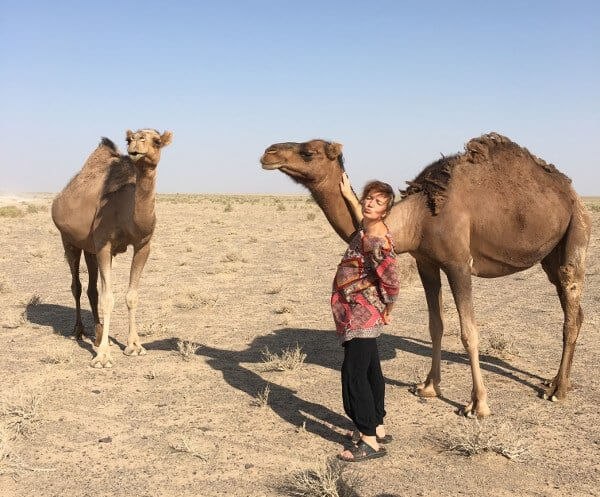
x=364 y=289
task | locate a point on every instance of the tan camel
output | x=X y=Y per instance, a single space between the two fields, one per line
x=491 y=211
x=107 y=206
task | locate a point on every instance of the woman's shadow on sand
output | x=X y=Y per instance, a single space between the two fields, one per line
x=322 y=349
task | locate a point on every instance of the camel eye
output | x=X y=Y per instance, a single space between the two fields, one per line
x=157 y=142
x=306 y=154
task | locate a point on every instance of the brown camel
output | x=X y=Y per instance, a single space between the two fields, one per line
x=491 y=211
x=107 y=206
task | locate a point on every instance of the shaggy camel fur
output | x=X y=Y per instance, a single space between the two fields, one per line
x=491 y=211
x=107 y=206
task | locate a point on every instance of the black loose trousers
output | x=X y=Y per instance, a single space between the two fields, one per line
x=363 y=386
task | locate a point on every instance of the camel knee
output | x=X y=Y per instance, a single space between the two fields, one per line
x=76 y=288
x=107 y=302
x=470 y=340
x=132 y=299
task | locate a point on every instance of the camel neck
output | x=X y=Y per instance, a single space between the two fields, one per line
x=405 y=222
x=329 y=198
x=145 y=195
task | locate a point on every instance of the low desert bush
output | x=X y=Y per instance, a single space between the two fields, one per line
x=11 y=211
x=310 y=216
x=331 y=478
x=474 y=437
x=290 y=359
x=34 y=209
x=21 y=411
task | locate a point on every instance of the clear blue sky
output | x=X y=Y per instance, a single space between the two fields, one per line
x=395 y=82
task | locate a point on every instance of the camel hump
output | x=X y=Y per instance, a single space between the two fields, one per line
x=482 y=149
x=110 y=145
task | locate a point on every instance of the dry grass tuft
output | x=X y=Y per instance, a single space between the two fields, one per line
x=262 y=397
x=21 y=411
x=329 y=479
x=230 y=257
x=151 y=375
x=499 y=343
x=476 y=437
x=290 y=359
x=56 y=354
x=188 y=446
x=310 y=216
x=284 y=309
x=37 y=253
x=5 y=286
x=11 y=211
x=34 y=300
x=192 y=300
x=228 y=208
x=186 y=349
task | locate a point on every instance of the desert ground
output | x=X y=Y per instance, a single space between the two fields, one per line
x=234 y=283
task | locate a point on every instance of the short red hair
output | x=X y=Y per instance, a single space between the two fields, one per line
x=385 y=189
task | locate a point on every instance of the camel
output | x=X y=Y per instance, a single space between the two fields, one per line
x=493 y=210
x=108 y=205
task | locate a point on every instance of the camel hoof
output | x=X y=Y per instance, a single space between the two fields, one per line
x=428 y=390
x=134 y=350
x=545 y=396
x=102 y=360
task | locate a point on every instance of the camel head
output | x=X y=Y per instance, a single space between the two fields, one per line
x=144 y=145
x=306 y=163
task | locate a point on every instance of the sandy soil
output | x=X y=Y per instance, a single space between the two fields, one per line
x=236 y=274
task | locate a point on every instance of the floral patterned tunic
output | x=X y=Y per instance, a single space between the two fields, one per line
x=366 y=280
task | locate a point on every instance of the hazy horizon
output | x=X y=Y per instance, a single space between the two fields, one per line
x=397 y=84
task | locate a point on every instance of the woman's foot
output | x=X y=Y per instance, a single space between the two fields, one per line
x=367 y=448
x=382 y=437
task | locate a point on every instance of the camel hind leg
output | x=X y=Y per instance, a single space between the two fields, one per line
x=73 y=256
x=92 y=292
x=565 y=267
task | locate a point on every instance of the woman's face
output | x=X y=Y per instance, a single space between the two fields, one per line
x=374 y=206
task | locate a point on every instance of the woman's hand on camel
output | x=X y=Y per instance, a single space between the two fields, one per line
x=345 y=187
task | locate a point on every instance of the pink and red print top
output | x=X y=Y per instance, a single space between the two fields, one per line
x=366 y=280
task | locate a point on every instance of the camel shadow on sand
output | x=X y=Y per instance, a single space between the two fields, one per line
x=62 y=320
x=322 y=349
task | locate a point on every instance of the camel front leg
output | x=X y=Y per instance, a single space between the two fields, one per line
x=103 y=358
x=92 y=291
x=430 y=277
x=459 y=277
x=140 y=256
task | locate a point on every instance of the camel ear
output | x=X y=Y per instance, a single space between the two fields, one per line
x=128 y=135
x=166 y=138
x=333 y=150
